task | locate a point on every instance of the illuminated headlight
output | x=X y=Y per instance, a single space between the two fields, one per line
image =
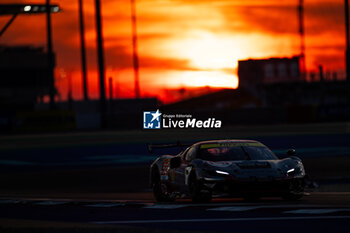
x=222 y=172
x=297 y=171
x=290 y=172
x=56 y=9
x=27 y=8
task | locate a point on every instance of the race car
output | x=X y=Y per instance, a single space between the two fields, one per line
x=226 y=168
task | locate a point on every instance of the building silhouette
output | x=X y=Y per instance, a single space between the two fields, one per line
x=253 y=72
x=24 y=77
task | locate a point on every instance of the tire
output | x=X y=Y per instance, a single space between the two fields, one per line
x=198 y=193
x=160 y=189
x=296 y=191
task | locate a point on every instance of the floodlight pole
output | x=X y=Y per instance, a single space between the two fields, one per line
x=50 y=56
x=83 y=53
x=302 y=38
x=134 y=46
x=100 y=57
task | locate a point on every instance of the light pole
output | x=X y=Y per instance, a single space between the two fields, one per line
x=28 y=9
x=134 y=46
x=83 y=54
x=302 y=38
x=24 y=9
x=51 y=62
x=100 y=59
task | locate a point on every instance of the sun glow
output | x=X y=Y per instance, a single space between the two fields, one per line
x=202 y=79
x=214 y=57
x=208 y=51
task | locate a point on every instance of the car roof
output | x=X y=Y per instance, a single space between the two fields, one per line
x=226 y=141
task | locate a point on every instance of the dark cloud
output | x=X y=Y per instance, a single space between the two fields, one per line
x=321 y=18
x=283 y=19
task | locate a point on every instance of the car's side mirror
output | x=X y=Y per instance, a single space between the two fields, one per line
x=291 y=152
x=175 y=162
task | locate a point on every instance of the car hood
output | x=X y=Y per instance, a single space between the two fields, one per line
x=254 y=167
x=246 y=164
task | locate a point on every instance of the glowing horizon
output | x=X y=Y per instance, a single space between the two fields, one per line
x=184 y=43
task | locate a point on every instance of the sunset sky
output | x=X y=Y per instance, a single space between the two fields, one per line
x=183 y=43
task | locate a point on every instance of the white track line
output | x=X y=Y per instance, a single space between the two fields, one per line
x=314 y=211
x=165 y=206
x=50 y=203
x=9 y=201
x=252 y=207
x=235 y=208
x=222 y=219
x=104 y=205
x=230 y=207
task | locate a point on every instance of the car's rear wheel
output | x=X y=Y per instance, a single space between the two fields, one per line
x=198 y=193
x=160 y=189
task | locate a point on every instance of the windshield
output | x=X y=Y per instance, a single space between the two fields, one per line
x=237 y=151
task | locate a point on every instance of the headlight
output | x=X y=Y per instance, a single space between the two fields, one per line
x=298 y=170
x=290 y=171
x=222 y=172
x=214 y=172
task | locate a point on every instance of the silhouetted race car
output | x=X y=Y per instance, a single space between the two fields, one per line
x=232 y=168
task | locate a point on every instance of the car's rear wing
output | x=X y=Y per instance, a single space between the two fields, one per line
x=151 y=146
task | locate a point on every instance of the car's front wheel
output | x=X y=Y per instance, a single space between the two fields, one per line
x=296 y=190
x=197 y=191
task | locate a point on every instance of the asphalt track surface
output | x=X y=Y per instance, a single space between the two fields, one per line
x=93 y=155
x=316 y=212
